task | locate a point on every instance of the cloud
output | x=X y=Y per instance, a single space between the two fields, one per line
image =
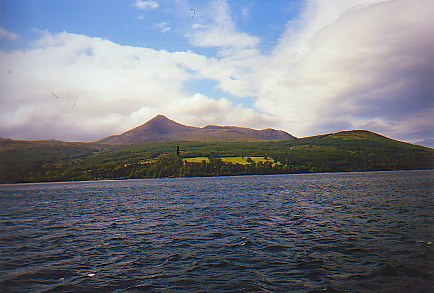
x=163 y=27
x=198 y=26
x=221 y=31
x=146 y=5
x=237 y=52
x=201 y=110
x=341 y=65
x=113 y=88
x=353 y=64
x=8 y=35
x=245 y=13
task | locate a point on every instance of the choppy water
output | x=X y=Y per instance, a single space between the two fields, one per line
x=350 y=232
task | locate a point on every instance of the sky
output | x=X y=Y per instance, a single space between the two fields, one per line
x=82 y=70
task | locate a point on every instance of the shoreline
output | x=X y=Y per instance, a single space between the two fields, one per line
x=188 y=177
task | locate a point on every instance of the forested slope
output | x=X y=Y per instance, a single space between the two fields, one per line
x=338 y=152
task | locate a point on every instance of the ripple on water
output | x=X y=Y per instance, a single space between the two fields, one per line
x=353 y=232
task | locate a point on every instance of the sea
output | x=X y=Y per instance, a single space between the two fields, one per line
x=331 y=232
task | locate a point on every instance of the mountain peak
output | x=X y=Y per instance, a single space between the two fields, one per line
x=159 y=117
x=160 y=124
x=159 y=120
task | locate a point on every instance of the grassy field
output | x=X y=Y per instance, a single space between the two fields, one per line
x=232 y=160
x=245 y=161
x=196 y=160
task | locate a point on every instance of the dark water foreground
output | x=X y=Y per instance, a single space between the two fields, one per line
x=352 y=232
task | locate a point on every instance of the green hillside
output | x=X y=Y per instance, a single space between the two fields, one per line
x=38 y=161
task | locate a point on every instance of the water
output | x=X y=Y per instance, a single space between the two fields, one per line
x=345 y=232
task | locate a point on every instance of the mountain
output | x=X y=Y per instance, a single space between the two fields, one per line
x=161 y=128
x=345 y=151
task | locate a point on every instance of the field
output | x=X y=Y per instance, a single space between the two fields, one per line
x=232 y=160
x=196 y=160
x=245 y=160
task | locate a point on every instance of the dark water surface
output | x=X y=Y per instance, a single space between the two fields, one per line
x=345 y=232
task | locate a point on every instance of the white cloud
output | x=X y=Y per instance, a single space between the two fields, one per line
x=146 y=5
x=201 y=110
x=163 y=27
x=348 y=64
x=198 y=26
x=245 y=13
x=221 y=32
x=113 y=87
x=342 y=65
x=238 y=53
x=8 y=35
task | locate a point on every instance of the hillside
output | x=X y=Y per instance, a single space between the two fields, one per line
x=161 y=128
x=359 y=150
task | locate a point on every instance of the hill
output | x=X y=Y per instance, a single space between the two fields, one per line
x=161 y=128
x=357 y=150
